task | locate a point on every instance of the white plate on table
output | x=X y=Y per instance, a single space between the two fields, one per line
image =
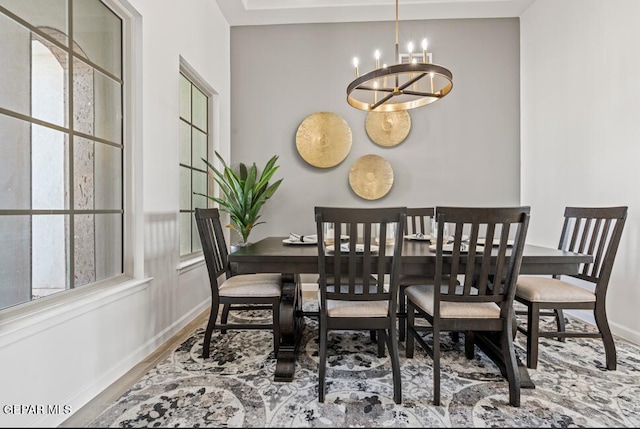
x=448 y=248
x=496 y=241
x=416 y=237
x=345 y=248
x=308 y=239
x=330 y=237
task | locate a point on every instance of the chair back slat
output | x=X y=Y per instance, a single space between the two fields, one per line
x=485 y=268
x=599 y=224
x=489 y=271
x=586 y=226
x=600 y=237
x=472 y=240
x=600 y=230
x=359 y=265
x=455 y=263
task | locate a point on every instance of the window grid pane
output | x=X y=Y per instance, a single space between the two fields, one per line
x=97 y=32
x=199 y=110
x=185 y=98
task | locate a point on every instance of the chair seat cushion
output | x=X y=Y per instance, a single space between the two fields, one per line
x=336 y=308
x=548 y=289
x=339 y=308
x=423 y=297
x=252 y=285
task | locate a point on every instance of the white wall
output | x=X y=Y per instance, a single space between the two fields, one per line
x=581 y=127
x=68 y=348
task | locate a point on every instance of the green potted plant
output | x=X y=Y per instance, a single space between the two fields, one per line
x=243 y=193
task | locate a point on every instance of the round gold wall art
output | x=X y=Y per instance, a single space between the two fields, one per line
x=388 y=128
x=371 y=177
x=323 y=139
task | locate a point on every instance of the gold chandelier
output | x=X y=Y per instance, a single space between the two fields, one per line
x=406 y=85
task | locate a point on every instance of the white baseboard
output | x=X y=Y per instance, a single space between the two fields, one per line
x=626 y=333
x=95 y=387
x=617 y=329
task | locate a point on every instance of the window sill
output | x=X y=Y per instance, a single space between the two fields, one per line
x=190 y=264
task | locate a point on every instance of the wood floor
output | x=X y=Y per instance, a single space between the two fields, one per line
x=84 y=416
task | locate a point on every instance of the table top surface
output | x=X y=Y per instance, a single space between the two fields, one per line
x=272 y=255
x=274 y=248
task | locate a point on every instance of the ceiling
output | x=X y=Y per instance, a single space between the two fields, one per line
x=266 y=12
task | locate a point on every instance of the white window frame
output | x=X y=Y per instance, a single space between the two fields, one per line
x=188 y=260
x=28 y=318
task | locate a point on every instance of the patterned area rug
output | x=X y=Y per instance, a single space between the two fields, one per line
x=235 y=387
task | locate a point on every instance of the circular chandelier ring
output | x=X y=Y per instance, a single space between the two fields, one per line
x=421 y=69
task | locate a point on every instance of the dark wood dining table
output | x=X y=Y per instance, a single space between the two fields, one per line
x=271 y=254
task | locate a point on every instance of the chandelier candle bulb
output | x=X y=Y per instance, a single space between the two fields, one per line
x=377 y=56
x=384 y=79
x=375 y=93
x=424 y=51
x=411 y=60
x=355 y=64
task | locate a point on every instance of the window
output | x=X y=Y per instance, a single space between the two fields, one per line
x=61 y=147
x=194 y=147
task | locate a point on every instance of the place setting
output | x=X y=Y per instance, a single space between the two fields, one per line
x=428 y=237
x=310 y=239
x=464 y=248
x=419 y=236
x=496 y=241
x=298 y=239
x=481 y=243
x=344 y=247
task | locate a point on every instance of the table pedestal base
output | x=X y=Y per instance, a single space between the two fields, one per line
x=489 y=343
x=291 y=326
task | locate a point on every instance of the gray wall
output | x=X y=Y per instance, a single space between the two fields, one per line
x=461 y=150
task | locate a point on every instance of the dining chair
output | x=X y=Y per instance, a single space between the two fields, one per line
x=359 y=298
x=328 y=227
x=260 y=291
x=482 y=301
x=591 y=230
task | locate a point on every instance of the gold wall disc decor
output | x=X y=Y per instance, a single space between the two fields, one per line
x=323 y=139
x=388 y=128
x=371 y=177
